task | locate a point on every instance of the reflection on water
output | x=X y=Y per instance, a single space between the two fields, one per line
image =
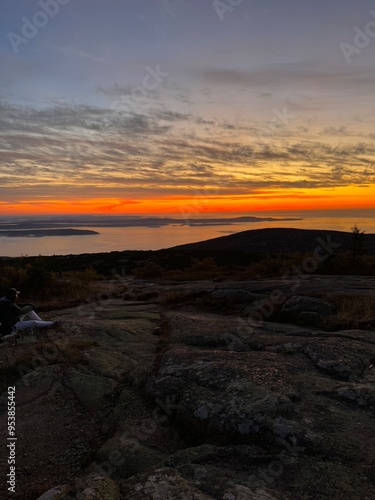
x=154 y=238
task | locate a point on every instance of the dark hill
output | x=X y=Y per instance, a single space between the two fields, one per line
x=275 y=241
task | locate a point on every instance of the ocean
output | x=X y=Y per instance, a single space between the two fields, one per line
x=155 y=237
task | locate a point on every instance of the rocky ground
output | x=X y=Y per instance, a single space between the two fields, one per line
x=199 y=390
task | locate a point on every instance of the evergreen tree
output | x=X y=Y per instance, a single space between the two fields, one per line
x=358 y=243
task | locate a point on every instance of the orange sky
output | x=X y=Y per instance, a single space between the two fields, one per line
x=271 y=200
x=262 y=108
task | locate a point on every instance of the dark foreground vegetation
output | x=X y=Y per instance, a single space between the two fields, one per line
x=247 y=255
x=222 y=387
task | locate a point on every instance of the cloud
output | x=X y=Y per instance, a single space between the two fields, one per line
x=77 y=52
x=126 y=95
x=61 y=149
x=172 y=116
x=336 y=131
x=296 y=75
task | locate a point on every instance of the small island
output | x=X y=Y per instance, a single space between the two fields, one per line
x=39 y=233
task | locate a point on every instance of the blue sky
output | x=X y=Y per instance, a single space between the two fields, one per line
x=261 y=100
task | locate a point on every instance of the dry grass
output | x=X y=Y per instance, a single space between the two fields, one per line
x=174 y=296
x=352 y=311
x=354 y=308
x=18 y=359
x=76 y=295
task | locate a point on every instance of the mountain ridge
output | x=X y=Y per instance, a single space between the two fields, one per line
x=275 y=241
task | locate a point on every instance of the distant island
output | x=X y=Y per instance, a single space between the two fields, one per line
x=24 y=223
x=39 y=233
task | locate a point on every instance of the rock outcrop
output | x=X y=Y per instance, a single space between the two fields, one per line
x=302 y=308
x=165 y=400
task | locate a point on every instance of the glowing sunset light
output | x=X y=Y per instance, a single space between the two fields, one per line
x=272 y=200
x=140 y=117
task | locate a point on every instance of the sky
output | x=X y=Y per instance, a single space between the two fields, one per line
x=186 y=106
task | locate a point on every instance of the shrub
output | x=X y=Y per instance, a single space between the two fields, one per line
x=11 y=276
x=150 y=269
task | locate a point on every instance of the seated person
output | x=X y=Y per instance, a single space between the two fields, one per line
x=12 y=315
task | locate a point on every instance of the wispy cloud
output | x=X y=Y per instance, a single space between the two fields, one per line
x=101 y=151
x=296 y=75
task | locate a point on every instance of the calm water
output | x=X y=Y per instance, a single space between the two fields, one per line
x=154 y=238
